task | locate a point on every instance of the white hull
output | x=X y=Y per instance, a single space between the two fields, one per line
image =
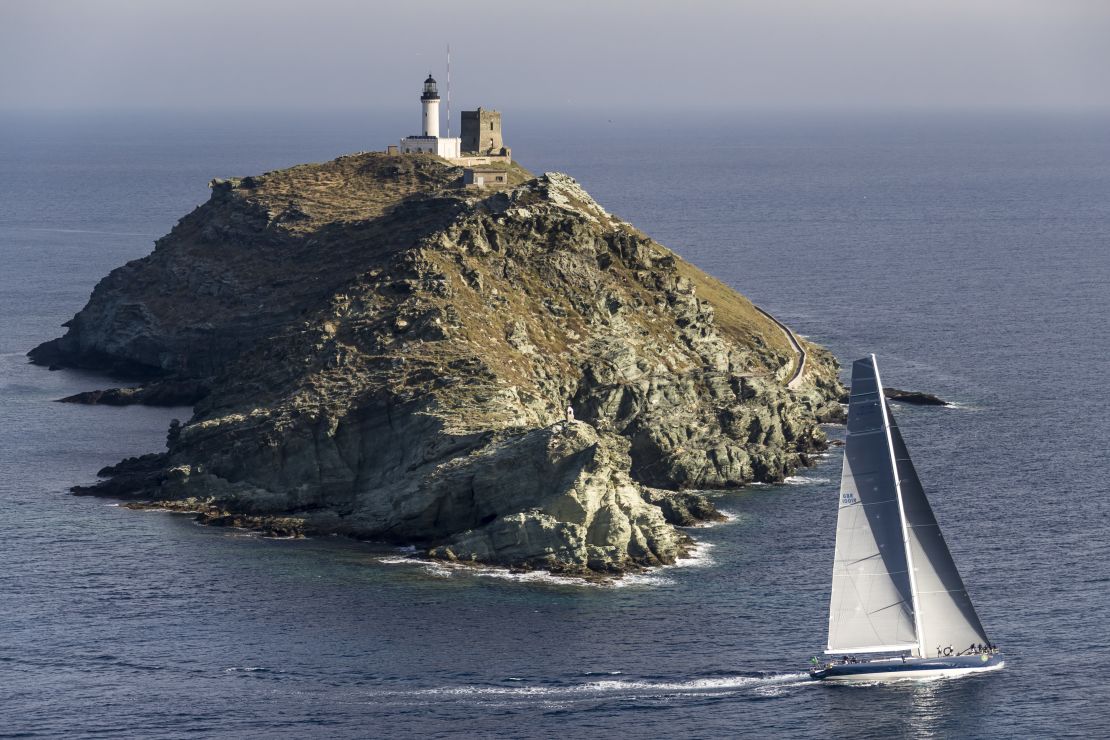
x=913 y=675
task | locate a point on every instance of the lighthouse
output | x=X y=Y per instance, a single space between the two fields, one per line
x=481 y=143
x=429 y=101
x=429 y=141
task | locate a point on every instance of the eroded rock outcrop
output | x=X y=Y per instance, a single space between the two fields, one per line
x=916 y=398
x=389 y=356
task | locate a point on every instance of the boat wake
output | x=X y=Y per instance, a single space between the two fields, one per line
x=517 y=688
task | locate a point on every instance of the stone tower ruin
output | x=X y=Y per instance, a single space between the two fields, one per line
x=481 y=132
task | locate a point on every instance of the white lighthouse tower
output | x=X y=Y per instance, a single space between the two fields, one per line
x=429 y=141
x=430 y=102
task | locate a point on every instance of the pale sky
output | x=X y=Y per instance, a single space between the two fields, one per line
x=628 y=55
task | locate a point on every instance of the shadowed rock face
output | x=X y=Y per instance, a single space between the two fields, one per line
x=388 y=356
x=918 y=398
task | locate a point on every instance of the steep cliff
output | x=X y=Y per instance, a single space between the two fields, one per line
x=378 y=352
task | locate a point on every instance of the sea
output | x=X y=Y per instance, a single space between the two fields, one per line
x=969 y=252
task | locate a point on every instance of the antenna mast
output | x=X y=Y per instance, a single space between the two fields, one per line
x=449 y=91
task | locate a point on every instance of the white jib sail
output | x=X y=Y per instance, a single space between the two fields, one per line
x=946 y=617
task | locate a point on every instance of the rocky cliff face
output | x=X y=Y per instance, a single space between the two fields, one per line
x=381 y=353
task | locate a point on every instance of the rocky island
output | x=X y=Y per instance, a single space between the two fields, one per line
x=375 y=350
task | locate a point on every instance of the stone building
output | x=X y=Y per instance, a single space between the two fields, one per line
x=480 y=177
x=481 y=132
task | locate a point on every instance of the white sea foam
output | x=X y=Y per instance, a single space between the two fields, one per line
x=698 y=557
x=431 y=567
x=639 y=579
x=442 y=569
x=958 y=406
x=803 y=480
x=543 y=576
x=698 y=684
x=615 y=687
x=532 y=576
x=398 y=560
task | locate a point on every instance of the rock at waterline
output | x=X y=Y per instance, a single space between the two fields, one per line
x=916 y=398
x=180 y=393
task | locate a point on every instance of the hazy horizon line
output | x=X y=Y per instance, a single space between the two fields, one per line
x=652 y=110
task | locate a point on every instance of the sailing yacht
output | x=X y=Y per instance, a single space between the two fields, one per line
x=899 y=609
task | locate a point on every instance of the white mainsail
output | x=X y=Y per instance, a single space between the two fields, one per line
x=871 y=608
x=895 y=586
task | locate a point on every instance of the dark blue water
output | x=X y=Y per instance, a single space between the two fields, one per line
x=970 y=255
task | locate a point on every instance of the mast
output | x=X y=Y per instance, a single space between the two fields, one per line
x=901 y=514
x=449 y=91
